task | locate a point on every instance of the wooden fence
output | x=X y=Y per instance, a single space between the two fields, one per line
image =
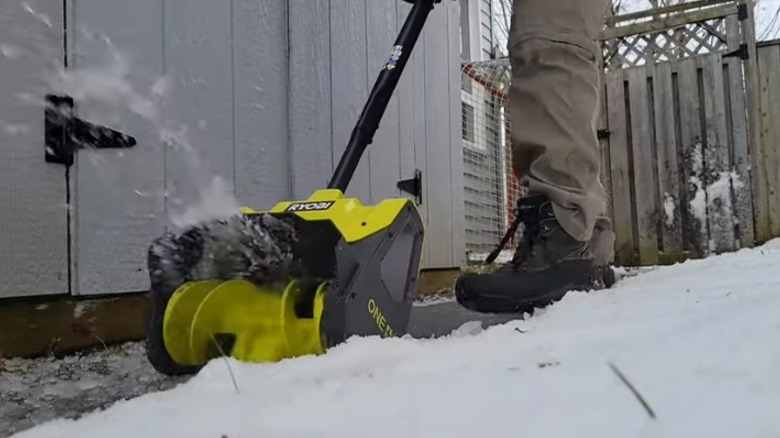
x=690 y=146
x=689 y=150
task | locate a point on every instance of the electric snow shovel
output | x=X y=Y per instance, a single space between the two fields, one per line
x=297 y=279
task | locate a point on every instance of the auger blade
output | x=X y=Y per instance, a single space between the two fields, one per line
x=240 y=313
x=301 y=316
x=252 y=324
x=178 y=319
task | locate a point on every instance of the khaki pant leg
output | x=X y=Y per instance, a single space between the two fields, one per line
x=554 y=108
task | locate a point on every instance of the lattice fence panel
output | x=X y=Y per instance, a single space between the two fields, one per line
x=691 y=39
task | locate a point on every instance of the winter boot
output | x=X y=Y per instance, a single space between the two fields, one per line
x=547 y=264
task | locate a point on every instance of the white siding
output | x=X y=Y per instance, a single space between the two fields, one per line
x=486 y=28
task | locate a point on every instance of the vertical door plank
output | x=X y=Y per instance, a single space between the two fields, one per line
x=625 y=245
x=644 y=182
x=437 y=140
x=769 y=67
x=412 y=120
x=420 y=129
x=33 y=199
x=695 y=221
x=118 y=196
x=755 y=108
x=349 y=77
x=260 y=73
x=385 y=155
x=737 y=111
x=406 y=98
x=667 y=156
x=310 y=117
x=199 y=107
x=718 y=175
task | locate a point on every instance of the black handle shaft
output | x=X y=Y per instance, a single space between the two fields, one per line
x=368 y=123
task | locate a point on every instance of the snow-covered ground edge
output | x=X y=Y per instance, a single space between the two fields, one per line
x=33 y=391
x=698 y=342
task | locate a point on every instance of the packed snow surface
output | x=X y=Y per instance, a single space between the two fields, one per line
x=698 y=342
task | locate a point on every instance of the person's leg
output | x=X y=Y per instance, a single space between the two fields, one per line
x=553 y=106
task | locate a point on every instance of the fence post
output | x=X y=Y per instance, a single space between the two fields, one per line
x=755 y=139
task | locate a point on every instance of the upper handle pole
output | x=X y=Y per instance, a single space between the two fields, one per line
x=374 y=109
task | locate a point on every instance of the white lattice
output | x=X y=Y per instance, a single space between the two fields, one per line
x=679 y=30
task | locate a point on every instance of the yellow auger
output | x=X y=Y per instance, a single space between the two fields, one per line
x=266 y=327
x=301 y=277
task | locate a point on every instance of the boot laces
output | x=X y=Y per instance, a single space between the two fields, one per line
x=535 y=232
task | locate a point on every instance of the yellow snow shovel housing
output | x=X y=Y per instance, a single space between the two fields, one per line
x=299 y=278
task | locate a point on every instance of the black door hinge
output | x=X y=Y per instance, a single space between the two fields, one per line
x=603 y=133
x=413 y=186
x=741 y=52
x=742 y=12
x=65 y=133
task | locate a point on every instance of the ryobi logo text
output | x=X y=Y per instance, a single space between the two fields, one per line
x=379 y=318
x=310 y=206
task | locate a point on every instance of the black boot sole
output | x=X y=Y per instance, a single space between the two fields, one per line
x=523 y=293
x=486 y=303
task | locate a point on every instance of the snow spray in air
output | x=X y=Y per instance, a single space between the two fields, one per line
x=110 y=88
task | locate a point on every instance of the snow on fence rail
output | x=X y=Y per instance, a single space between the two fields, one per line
x=689 y=166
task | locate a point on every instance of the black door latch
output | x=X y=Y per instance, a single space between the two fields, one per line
x=413 y=186
x=65 y=133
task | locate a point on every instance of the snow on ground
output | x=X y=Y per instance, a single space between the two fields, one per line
x=698 y=342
